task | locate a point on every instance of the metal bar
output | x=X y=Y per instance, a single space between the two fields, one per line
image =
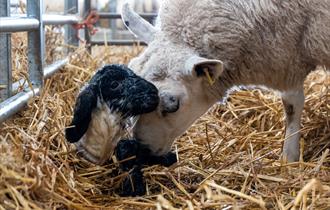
x=60 y=19
x=36 y=44
x=48 y=72
x=16 y=24
x=35 y=56
x=118 y=42
x=14 y=4
x=109 y=15
x=16 y=103
x=5 y=56
x=71 y=7
x=113 y=25
x=54 y=67
x=87 y=9
x=21 y=23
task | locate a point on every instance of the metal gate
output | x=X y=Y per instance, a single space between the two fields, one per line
x=33 y=22
x=11 y=101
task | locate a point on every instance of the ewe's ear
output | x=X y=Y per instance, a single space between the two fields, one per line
x=136 y=24
x=86 y=102
x=202 y=67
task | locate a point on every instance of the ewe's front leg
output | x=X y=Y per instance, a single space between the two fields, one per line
x=293 y=102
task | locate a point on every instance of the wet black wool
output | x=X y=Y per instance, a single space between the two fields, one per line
x=134 y=184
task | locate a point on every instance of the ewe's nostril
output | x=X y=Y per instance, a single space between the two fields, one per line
x=169 y=104
x=172 y=99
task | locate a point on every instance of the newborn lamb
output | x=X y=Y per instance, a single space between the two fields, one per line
x=104 y=108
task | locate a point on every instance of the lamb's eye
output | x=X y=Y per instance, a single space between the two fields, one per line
x=114 y=85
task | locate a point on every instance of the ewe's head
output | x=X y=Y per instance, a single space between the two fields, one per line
x=182 y=77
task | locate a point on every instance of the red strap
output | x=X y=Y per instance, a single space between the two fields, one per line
x=89 y=23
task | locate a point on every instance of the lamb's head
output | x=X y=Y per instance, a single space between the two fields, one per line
x=125 y=92
x=183 y=80
x=104 y=107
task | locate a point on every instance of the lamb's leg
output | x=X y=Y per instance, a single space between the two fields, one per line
x=293 y=102
x=133 y=184
x=166 y=160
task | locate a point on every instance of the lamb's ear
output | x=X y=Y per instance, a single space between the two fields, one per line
x=136 y=24
x=199 y=66
x=86 y=102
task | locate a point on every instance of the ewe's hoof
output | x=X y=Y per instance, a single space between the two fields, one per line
x=290 y=158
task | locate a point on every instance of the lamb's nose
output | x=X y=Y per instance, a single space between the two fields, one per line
x=169 y=103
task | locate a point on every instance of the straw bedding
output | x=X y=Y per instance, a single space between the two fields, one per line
x=229 y=159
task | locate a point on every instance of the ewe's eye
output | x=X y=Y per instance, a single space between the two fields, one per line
x=114 y=85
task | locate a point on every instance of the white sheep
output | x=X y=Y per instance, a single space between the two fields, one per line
x=266 y=43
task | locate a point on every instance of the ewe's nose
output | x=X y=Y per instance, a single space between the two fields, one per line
x=169 y=103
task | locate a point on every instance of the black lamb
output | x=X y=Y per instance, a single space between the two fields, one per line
x=103 y=111
x=104 y=108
